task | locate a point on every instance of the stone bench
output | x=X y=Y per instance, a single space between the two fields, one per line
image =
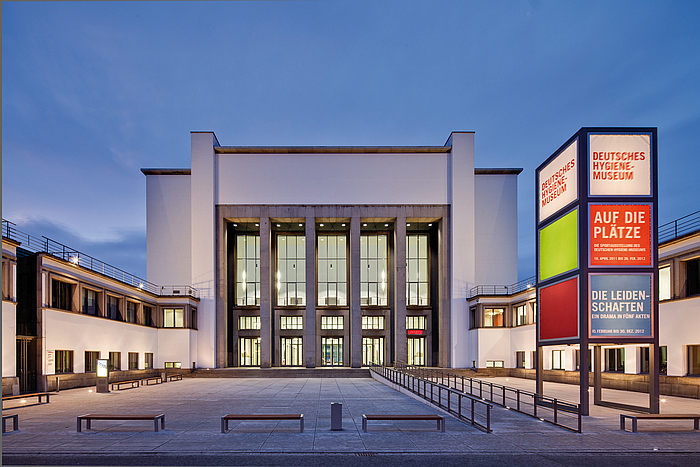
x=440 y=420
x=263 y=416
x=174 y=377
x=658 y=416
x=96 y=416
x=155 y=379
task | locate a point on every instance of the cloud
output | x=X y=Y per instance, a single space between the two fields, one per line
x=126 y=249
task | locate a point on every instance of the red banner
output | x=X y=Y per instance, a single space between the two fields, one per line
x=620 y=234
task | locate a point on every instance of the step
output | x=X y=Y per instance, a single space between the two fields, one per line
x=281 y=373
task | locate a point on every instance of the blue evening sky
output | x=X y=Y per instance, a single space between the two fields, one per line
x=93 y=91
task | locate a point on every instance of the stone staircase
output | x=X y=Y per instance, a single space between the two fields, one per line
x=328 y=372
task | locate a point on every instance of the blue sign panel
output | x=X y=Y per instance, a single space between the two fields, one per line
x=620 y=305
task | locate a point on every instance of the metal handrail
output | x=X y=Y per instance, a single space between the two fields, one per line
x=66 y=253
x=558 y=412
x=519 y=286
x=463 y=406
x=679 y=227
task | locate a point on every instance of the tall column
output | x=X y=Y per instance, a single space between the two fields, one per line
x=355 y=307
x=310 y=320
x=400 y=350
x=265 y=302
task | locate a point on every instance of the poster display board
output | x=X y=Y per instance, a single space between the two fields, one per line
x=597 y=251
x=620 y=235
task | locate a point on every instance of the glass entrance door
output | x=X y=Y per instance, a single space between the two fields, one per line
x=332 y=351
x=249 y=350
x=373 y=350
x=292 y=351
x=416 y=351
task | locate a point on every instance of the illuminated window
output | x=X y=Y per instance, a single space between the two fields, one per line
x=332 y=270
x=247 y=270
x=133 y=360
x=372 y=350
x=64 y=361
x=374 y=269
x=290 y=278
x=372 y=322
x=173 y=365
x=91 y=361
x=495 y=364
x=493 y=317
x=521 y=315
x=416 y=351
x=148 y=360
x=331 y=322
x=665 y=283
x=292 y=351
x=248 y=322
x=173 y=318
x=417 y=276
x=332 y=351
x=291 y=322
x=115 y=361
x=557 y=359
x=249 y=348
x=415 y=322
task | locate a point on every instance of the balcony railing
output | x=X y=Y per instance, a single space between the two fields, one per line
x=518 y=287
x=66 y=253
x=679 y=227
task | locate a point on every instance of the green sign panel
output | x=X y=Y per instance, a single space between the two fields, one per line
x=559 y=246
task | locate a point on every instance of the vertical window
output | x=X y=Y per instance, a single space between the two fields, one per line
x=665 y=283
x=521 y=315
x=332 y=351
x=615 y=360
x=130 y=312
x=416 y=351
x=133 y=360
x=644 y=359
x=693 y=360
x=374 y=269
x=90 y=302
x=290 y=277
x=417 y=275
x=115 y=361
x=692 y=277
x=291 y=322
x=557 y=359
x=493 y=317
x=472 y=318
x=248 y=322
x=578 y=360
x=331 y=322
x=372 y=322
x=247 y=270
x=663 y=359
x=373 y=350
x=147 y=315
x=91 y=361
x=193 y=318
x=148 y=361
x=173 y=318
x=332 y=270
x=292 y=351
x=520 y=359
x=249 y=348
x=61 y=295
x=534 y=360
x=113 y=308
x=64 y=361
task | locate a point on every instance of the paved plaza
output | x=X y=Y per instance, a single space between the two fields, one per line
x=193 y=408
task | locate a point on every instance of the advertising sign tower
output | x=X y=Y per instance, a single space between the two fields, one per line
x=597 y=254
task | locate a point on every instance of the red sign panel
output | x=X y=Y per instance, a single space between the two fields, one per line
x=414 y=332
x=559 y=310
x=620 y=234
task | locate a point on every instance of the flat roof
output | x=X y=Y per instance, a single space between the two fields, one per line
x=166 y=171
x=512 y=171
x=330 y=149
